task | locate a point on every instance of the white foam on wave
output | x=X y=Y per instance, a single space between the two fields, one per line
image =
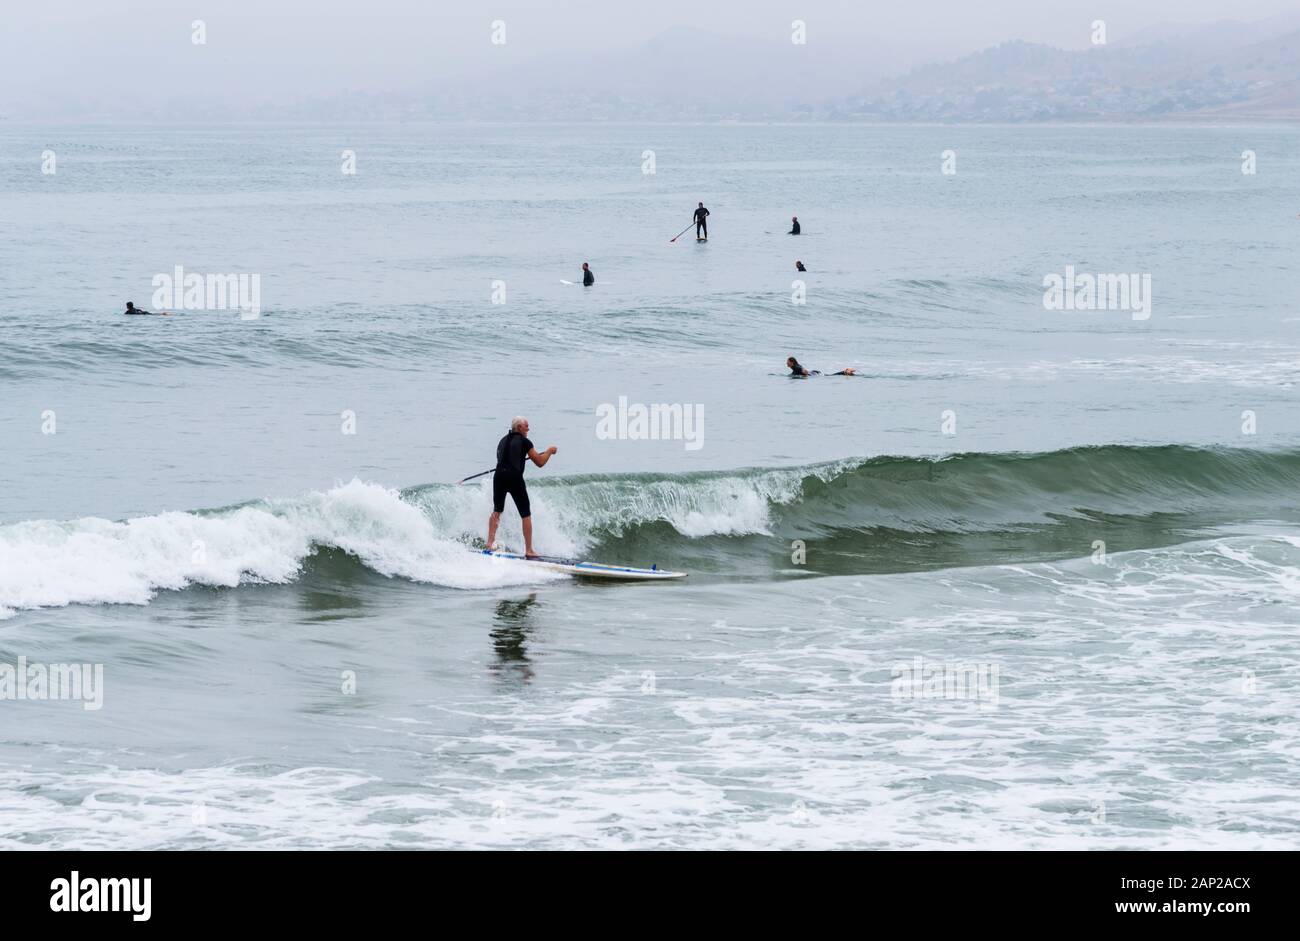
x=1248 y=572
x=422 y=537
x=627 y=808
x=46 y=563
x=570 y=513
x=1262 y=370
x=724 y=505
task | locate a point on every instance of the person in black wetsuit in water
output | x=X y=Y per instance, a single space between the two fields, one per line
x=794 y=226
x=798 y=372
x=132 y=310
x=588 y=279
x=701 y=223
x=513 y=451
x=798 y=266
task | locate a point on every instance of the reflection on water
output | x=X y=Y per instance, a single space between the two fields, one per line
x=510 y=635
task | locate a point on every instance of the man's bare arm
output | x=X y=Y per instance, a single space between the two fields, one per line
x=541 y=458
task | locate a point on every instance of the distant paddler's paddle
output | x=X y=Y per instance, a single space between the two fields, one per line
x=680 y=234
x=472 y=476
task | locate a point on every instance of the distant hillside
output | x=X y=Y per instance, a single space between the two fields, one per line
x=683 y=74
x=1020 y=81
x=1271 y=72
x=1226 y=71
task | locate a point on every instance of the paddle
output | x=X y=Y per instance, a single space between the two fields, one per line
x=472 y=476
x=680 y=234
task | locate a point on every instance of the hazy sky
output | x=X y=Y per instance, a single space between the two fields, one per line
x=140 y=50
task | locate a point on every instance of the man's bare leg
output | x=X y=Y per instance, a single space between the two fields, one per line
x=493 y=521
x=528 y=536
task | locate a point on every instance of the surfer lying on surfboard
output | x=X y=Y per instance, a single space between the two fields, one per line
x=132 y=309
x=513 y=452
x=799 y=372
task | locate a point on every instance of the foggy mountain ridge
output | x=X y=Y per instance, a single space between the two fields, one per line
x=1220 y=71
x=1223 y=71
x=1208 y=37
x=1020 y=81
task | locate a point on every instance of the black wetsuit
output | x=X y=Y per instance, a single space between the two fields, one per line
x=799 y=266
x=512 y=455
x=795 y=229
x=798 y=371
x=701 y=224
x=136 y=311
x=588 y=279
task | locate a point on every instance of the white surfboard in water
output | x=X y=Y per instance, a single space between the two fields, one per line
x=589 y=569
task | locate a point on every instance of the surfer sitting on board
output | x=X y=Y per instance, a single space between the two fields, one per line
x=794 y=226
x=701 y=214
x=513 y=451
x=798 y=371
x=798 y=266
x=588 y=279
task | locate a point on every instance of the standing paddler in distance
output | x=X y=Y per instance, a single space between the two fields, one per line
x=513 y=451
x=701 y=223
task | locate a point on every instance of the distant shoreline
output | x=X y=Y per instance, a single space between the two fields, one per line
x=1180 y=120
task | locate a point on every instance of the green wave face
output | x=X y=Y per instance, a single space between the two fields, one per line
x=853 y=517
x=899 y=514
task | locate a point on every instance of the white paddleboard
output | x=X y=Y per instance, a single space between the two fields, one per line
x=589 y=569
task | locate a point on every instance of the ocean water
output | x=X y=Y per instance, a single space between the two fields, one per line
x=1030 y=579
